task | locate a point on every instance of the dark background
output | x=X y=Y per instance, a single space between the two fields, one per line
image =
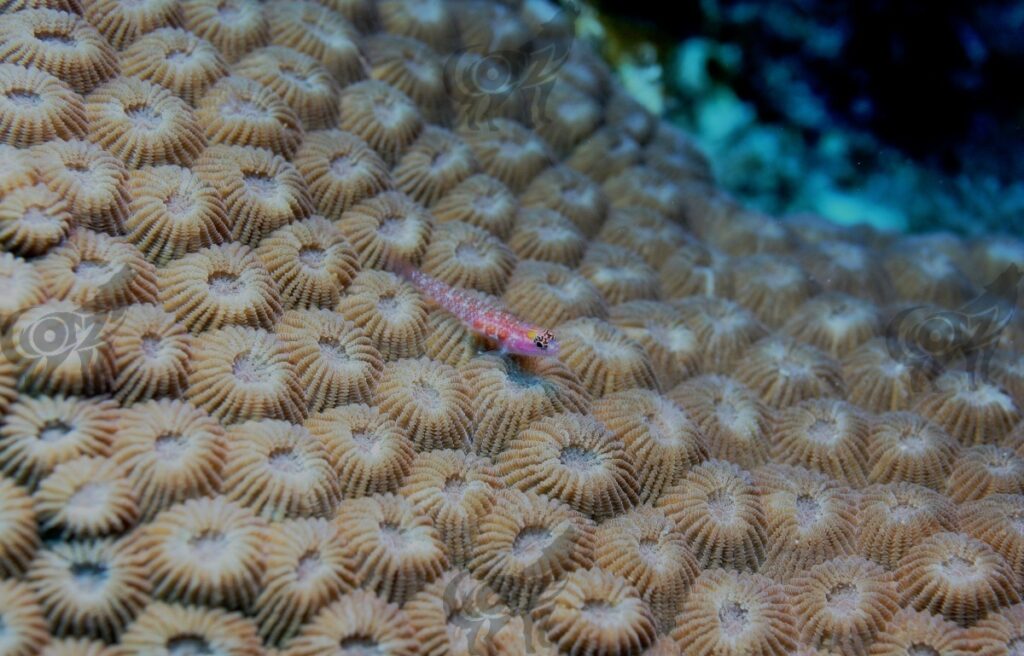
x=941 y=81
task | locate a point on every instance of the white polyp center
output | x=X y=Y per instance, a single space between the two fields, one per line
x=732 y=619
x=808 y=511
x=824 y=431
x=579 y=459
x=54 y=431
x=170 y=446
x=225 y=284
x=286 y=461
x=722 y=506
x=260 y=185
x=247 y=370
x=312 y=256
x=143 y=117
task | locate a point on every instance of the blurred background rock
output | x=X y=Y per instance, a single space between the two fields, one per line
x=904 y=115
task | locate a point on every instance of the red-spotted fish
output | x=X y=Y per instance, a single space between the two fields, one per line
x=482 y=315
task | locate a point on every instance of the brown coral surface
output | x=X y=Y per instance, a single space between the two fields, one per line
x=232 y=421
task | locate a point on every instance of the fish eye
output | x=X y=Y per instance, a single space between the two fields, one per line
x=540 y=343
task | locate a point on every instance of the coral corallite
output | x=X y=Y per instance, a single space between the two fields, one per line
x=984 y=470
x=671 y=345
x=549 y=293
x=429 y=400
x=603 y=358
x=261 y=191
x=301 y=81
x=279 y=470
x=143 y=124
x=911 y=631
x=25 y=632
x=956 y=576
x=783 y=372
x=18 y=537
x=334 y=359
x=205 y=551
x=844 y=603
x=734 y=614
x=98 y=272
x=94 y=182
x=415 y=69
x=719 y=509
x=237 y=111
x=177 y=60
x=307 y=567
x=466 y=256
x=368 y=451
x=735 y=423
x=826 y=435
x=811 y=518
x=172 y=212
x=151 y=354
x=358 y=620
x=341 y=170
x=972 y=409
x=903 y=446
x=509 y=392
x=724 y=332
x=457 y=490
x=171 y=452
x=387 y=227
x=883 y=379
x=999 y=633
x=571 y=194
x=234 y=27
x=482 y=201
x=382 y=116
x=82 y=368
x=573 y=458
x=998 y=520
x=244 y=373
x=528 y=542
x=42 y=432
x=894 y=518
x=596 y=612
x=447 y=615
x=433 y=165
x=93 y=588
x=83 y=58
x=320 y=33
x=86 y=497
x=36 y=107
x=163 y=628
x=389 y=310
x=396 y=548
x=645 y=548
x=659 y=437
x=219 y=286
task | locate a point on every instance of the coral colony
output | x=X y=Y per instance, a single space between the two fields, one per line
x=600 y=408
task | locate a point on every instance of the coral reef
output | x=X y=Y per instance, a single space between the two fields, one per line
x=229 y=425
